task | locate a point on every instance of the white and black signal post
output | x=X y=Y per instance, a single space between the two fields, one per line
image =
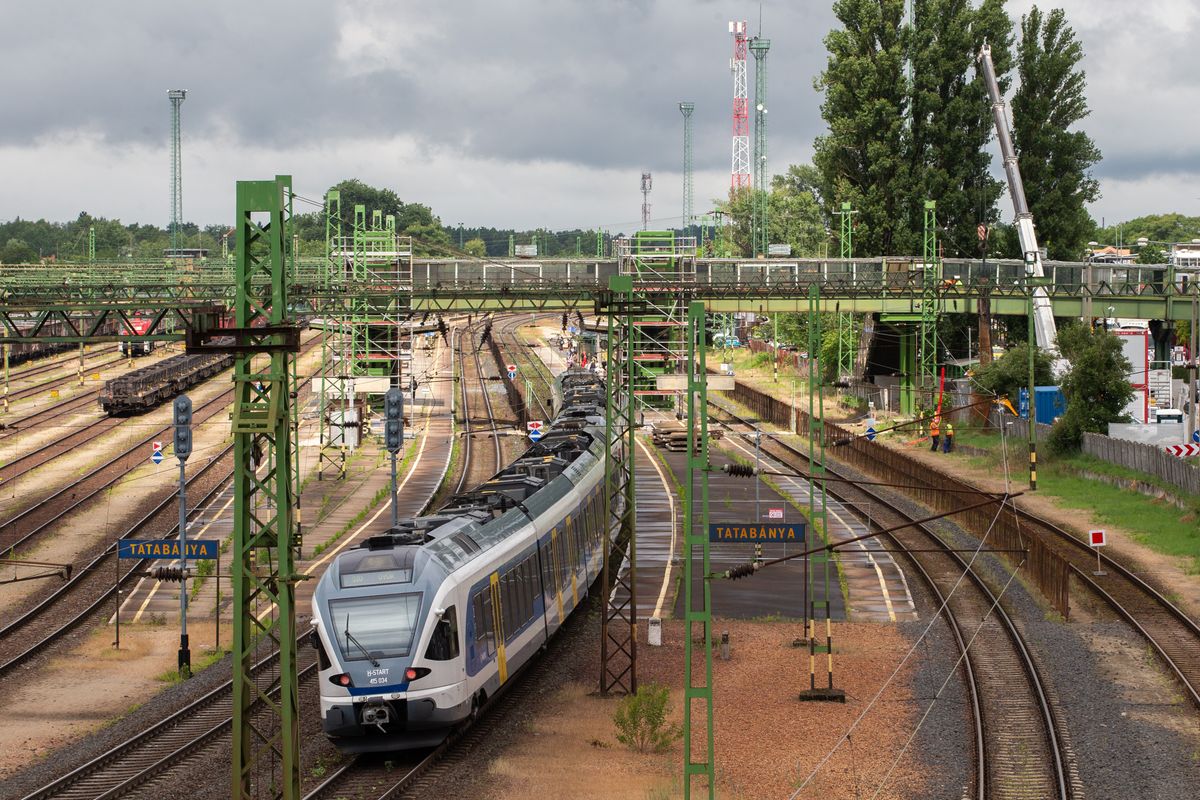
x=183 y=449
x=393 y=437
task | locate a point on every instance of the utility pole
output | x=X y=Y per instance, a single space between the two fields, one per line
x=460 y=236
x=176 y=97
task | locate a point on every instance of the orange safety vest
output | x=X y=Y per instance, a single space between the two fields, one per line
x=933 y=428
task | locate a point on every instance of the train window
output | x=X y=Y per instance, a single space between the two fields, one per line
x=480 y=622
x=547 y=572
x=443 y=645
x=508 y=601
x=527 y=570
x=381 y=626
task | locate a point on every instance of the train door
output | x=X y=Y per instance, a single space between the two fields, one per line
x=573 y=551
x=556 y=555
x=498 y=625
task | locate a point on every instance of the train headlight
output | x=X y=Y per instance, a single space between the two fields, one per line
x=340 y=680
x=412 y=673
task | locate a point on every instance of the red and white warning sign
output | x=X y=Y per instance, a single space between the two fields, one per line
x=1097 y=538
x=774 y=513
x=155 y=446
x=511 y=367
x=533 y=425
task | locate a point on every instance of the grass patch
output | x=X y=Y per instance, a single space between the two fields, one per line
x=1155 y=523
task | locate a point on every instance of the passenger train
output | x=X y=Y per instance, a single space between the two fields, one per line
x=415 y=629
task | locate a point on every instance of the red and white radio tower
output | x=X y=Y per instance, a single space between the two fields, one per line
x=741 y=109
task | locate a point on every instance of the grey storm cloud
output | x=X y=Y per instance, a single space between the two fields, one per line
x=594 y=84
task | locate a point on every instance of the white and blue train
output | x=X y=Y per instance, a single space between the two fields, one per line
x=416 y=628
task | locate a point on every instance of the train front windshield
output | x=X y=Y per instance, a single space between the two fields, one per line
x=369 y=628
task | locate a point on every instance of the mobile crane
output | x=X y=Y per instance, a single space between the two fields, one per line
x=1043 y=315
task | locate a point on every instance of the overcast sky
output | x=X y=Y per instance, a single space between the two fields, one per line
x=494 y=112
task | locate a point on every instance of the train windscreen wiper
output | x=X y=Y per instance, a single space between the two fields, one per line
x=358 y=644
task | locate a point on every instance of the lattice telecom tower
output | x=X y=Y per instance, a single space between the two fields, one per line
x=741 y=109
x=759 y=227
x=645 y=200
x=687 y=109
x=176 y=97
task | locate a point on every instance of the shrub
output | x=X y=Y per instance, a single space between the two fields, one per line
x=641 y=720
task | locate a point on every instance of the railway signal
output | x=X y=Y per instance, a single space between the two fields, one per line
x=182 y=410
x=1098 y=539
x=393 y=437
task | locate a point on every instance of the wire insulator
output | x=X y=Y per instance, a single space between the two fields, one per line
x=168 y=574
x=740 y=470
x=744 y=571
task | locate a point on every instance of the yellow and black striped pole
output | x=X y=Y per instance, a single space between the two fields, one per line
x=1032 y=403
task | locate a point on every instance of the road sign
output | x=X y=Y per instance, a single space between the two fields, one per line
x=511 y=368
x=512 y=374
x=157 y=457
x=724 y=532
x=1184 y=450
x=533 y=425
x=156 y=446
x=870 y=434
x=982 y=232
x=774 y=513
x=1196 y=436
x=1097 y=538
x=166 y=548
x=535 y=434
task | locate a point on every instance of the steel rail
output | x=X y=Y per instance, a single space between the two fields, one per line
x=986 y=760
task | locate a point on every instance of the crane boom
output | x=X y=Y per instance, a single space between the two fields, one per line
x=1043 y=314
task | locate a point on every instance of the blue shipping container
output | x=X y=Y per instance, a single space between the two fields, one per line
x=1049 y=404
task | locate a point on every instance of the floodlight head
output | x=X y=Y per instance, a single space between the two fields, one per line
x=176 y=94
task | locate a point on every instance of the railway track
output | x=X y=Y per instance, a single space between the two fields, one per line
x=56 y=361
x=42 y=417
x=529 y=368
x=476 y=469
x=29 y=391
x=91 y=587
x=1171 y=633
x=22 y=528
x=192 y=731
x=1020 y=750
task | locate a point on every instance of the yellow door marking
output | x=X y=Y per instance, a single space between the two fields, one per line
x=557 y=572
x=496 y=618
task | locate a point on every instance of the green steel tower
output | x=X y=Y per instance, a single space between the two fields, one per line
x=686 y=109
x=176 y=97
x=927 y=343
x=759 y=185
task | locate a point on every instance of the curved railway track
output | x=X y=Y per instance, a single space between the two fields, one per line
x=1171 y=633
x=1019 y=748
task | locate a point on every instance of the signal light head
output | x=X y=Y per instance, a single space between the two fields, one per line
x=341 y=680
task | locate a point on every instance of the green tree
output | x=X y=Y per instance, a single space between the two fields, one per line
x=17 y=251
x=1009 y=373
x=476 y=247
x=1152 y=254
x=794 y=217
x=947 y=143
x=1097 y=387
x=1055 y=160
x=862 y=158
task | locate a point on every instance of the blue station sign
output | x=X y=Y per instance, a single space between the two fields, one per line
x=166 y=548
x=724 y=532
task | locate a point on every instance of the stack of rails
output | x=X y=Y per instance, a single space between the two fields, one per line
x=147 y=387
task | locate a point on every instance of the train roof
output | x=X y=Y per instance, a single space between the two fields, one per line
x=484 y=517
